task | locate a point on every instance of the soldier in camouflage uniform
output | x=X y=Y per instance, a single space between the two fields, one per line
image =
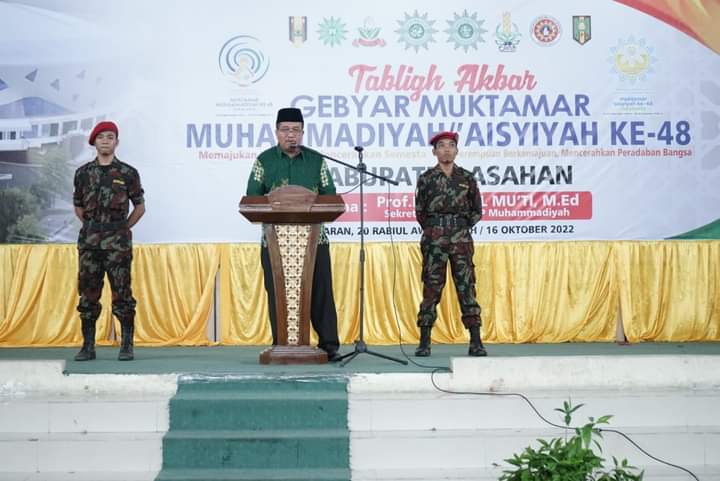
x=447 y=206
x=103 y=190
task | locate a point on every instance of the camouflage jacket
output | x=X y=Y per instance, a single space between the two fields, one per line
x=104 y=192
x=451 y=203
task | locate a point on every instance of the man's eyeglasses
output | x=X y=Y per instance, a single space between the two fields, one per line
x=288 y=130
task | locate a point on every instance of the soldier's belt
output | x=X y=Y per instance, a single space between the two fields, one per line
x=105 y=226
x=448 y=221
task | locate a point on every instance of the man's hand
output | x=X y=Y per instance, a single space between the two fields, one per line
x=134 y=217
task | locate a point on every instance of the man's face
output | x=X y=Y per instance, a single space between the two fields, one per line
x=289 y=136
x=106 y=142
x=445 y=150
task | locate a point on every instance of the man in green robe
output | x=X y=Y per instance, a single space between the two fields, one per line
x=288 y=163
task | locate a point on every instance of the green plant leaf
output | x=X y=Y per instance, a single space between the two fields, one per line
x=604 y=419
x=569 y=458
x=586 y=435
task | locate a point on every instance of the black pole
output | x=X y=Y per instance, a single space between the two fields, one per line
x=361 y=167
x=360 y=345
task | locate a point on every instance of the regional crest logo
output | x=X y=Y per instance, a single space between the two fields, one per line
x=581 y=29
x=545 y=30
x=242 y=60
x=297 y=30
x=369 y=35
x=632 y=60
x=507 y=34
x=416 y=31
x=465 y=30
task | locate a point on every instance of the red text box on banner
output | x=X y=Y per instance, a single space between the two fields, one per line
x=379 y=207
x=497 y=206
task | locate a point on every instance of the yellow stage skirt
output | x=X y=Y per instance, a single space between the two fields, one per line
x=549 y=292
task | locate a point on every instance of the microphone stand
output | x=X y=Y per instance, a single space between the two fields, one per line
x=360 y=345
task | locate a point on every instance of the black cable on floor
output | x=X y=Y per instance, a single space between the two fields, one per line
x=437 y=369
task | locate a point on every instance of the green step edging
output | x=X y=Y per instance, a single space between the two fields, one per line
x=288 y=410
x=254 y=475
x=225 y=428
x=257 y=449
x=245 y=384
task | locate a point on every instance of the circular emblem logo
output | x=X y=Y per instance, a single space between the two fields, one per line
x=242 y=61
x=416 y=31
x=332 y=31
x=545 y=31
x=465 y=31
x=632 y=59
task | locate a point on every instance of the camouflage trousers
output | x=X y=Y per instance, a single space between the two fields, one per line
x=436 y=254
x=93 y=265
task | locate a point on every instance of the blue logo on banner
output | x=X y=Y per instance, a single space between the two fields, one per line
x=242 y=60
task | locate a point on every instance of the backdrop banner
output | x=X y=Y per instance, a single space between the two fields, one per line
x=591 y=122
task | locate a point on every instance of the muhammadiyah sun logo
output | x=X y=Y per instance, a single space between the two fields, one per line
x=465 y=30
x=332 y=31
x=416 y=31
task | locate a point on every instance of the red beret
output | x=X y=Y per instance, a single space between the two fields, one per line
x=444 y=135
x=102 y=127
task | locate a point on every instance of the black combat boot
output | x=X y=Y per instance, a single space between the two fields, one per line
x=87 y=351
x=126 y=344
x=476 y=346
x=423 y=350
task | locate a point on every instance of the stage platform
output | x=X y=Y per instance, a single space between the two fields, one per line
x=244 y=360
x=106 y=420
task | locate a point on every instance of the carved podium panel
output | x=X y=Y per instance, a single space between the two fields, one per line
x=292 y=217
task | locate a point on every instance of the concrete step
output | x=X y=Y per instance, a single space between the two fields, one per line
x=18 y=378
x=100 y=427
x=481 y=449
x=446 y=474
x=450 y=473
x=50 y=413
x=432 y=410
x=471 y=420
x=76 y=452
x=107 y=428
x=623 y=373
x=81 y=476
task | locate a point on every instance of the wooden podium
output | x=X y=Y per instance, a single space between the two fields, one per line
x=292 y=217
